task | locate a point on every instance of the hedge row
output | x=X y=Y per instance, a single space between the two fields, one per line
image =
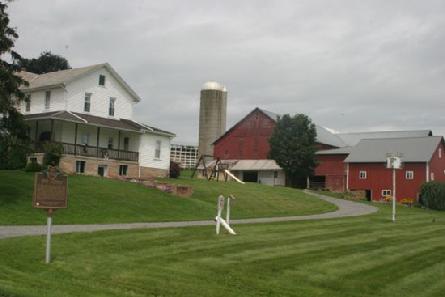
x=432 y=195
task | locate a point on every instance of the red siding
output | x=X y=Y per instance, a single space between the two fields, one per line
x=437 y=164
x=334 y=169
x=380 y=178
x=249 y=139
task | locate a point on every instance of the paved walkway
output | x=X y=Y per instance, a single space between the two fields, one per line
x=345 y=209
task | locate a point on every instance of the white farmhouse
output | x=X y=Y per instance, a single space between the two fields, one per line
x=89 y=111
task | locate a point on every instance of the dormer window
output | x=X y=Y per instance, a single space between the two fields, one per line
x=102 y=80
x=87 y=105
x=111 y=107
x=47 y=99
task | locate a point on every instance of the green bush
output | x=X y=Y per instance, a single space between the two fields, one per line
x=33 y=166
x=53 y=152
x=432 y=195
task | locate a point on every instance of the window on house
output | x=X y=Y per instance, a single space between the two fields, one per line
x=111 y=106
x=386 y=193
x=80 y=166
x=28 y=104
x=432 y=176
x=158 y=149
x=126 y=143
x=110 y=142
x=87 y=105
x=123 y=169
x=102 y=80
x=84 y=138
x=47 y=99
x=409 y=174
x=362 y=174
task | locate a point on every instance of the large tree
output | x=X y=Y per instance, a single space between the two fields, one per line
x=46 y=62
x=13 y=131
x=292 y=146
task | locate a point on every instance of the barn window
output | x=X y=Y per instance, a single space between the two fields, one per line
x=409 y=174
x=386 y=193
x=362 y=174
x=440 y=153
x=432 y=176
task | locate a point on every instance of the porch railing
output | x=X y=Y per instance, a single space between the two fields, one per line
x=92 y=151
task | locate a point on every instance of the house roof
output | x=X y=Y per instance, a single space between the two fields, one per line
x=336 y=151
x=257 y=165
x=81 y=118
x=353 y=138
x=412 y=149
x=61 y=78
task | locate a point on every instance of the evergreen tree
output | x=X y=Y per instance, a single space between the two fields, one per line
x=14 y=141
x=46 y=62
x=292 y=146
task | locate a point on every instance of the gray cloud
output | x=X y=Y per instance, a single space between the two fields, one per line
x=350 y=65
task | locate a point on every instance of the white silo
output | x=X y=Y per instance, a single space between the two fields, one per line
x=212 y=115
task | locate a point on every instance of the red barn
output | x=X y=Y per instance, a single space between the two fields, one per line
x=422 y=161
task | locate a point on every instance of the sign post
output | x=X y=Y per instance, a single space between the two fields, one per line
x=50 y=193
x=394 y=162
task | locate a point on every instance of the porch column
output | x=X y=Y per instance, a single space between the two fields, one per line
x=51 y=137
x=97 y=141
x=36 y=135
x=75 y=138
x=118 y=143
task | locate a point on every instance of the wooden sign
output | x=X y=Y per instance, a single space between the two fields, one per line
x=50 y=190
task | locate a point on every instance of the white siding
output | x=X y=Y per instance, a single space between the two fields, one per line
x=100 y=97
x=147 y=147
x=267 y=178
x=57 y=101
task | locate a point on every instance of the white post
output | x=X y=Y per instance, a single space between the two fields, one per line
x=48 y=238
x=228 y=211
x=218 y=215
x=393 y=194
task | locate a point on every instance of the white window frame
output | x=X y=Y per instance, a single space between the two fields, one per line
x=111 y=106
x=105 y=80
x=362 y=174
x=47 y=99
x=28 y=104
x=158 y=149
x=440 y=153
x=388 y=193
x=87 y=102
x=80 y=167
x=409 y=174
x=123 y=172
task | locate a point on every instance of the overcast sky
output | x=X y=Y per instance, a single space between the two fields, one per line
x=349 y=65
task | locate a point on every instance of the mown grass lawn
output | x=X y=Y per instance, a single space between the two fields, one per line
x=364 y=256
x=99 y=200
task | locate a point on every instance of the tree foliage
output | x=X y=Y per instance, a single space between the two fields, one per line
x=46 y=62
x=292 y=146
x=13 y=131
x=433 y=195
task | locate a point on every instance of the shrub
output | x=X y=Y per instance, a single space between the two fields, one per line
x=175 y=169
x=432 y=195
x=53 y=152
x=33 y=166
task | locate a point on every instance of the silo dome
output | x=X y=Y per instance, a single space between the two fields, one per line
x=213 y=85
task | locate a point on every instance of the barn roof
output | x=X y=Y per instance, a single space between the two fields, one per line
x=412 y=149
x=336 y=151
x=353 y=138
x=257 y=165
x=323 y=135
x=61 y=78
